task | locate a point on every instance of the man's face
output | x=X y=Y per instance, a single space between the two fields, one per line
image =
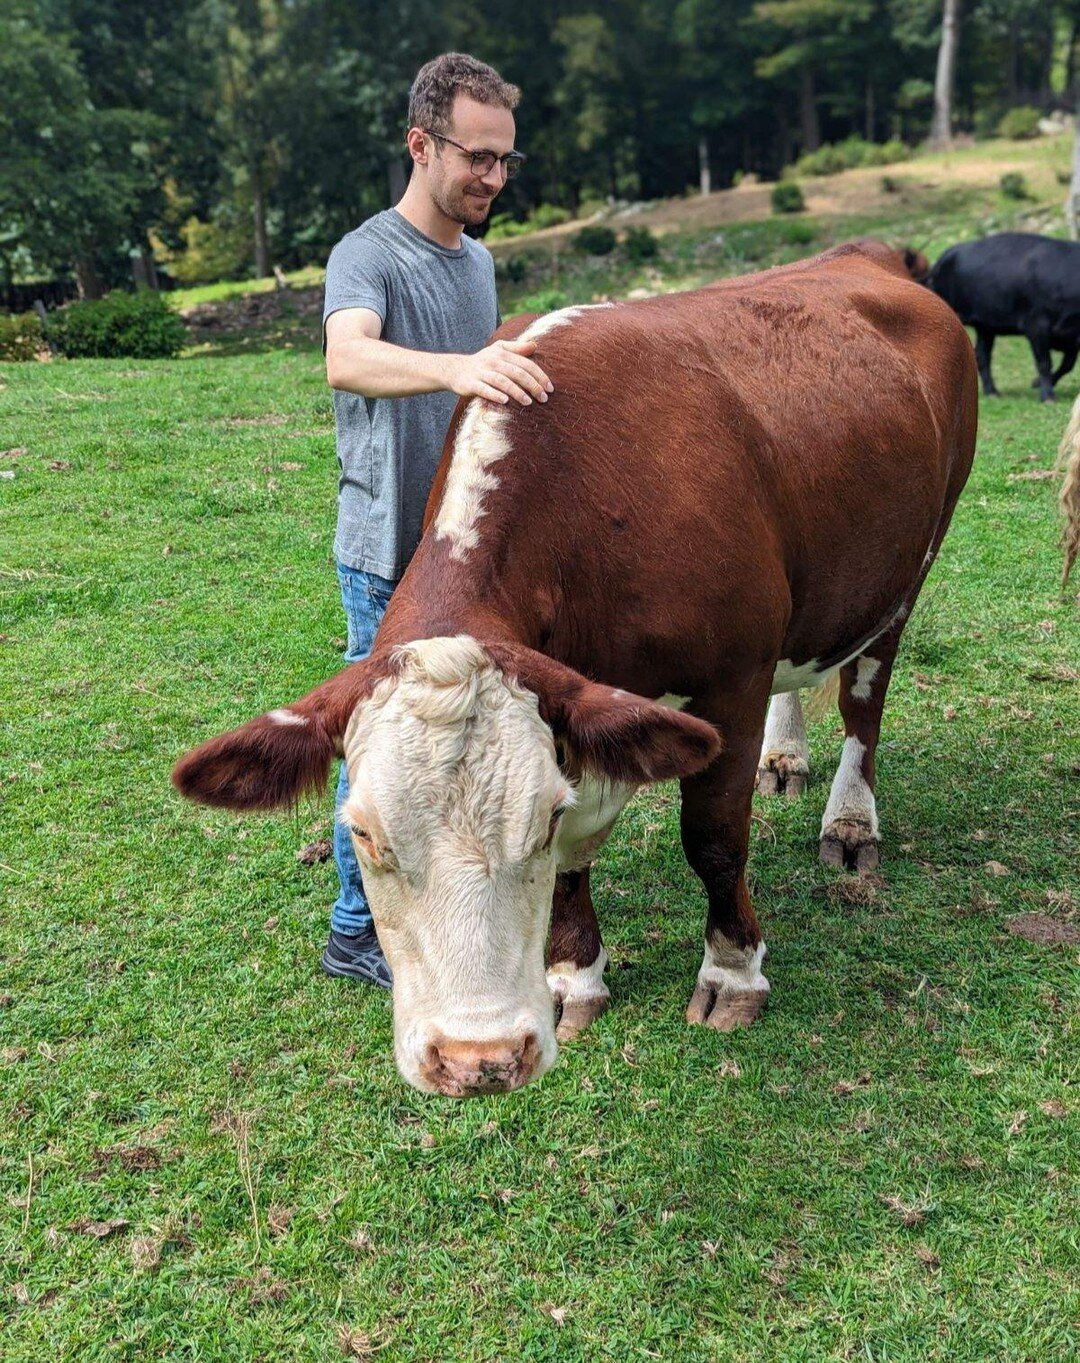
x=457 y=192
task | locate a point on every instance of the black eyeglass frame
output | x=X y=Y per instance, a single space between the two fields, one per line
x=511 y=162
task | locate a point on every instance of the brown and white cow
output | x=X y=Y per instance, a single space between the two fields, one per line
x=731 y=494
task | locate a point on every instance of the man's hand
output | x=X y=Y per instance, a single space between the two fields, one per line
x=500 y=372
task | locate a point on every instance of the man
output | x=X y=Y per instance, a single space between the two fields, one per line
x=410 y=303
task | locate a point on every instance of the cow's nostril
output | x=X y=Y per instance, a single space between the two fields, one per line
x=530 y=1051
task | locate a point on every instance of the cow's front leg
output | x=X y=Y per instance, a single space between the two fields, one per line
x=576 y=954
x=731 y=990
x=1044 y=363
x=784 y=764
x=849 y=829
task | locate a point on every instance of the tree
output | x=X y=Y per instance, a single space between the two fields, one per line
x=941 y=127
x=72 y=175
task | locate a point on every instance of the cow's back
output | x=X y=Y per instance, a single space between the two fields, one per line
x=1012 y=283
x=737 y=453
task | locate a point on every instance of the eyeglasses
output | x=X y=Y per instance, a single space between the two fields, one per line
x=483 y=161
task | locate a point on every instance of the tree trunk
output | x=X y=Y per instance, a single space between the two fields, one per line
x=89 y=281
x=1072 y=203
x=262 y=245
x=808 y=115
x=871 y=111
x=941 y=127
x=704 y=169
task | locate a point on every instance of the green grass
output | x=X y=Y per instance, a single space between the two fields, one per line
x=679 y=1194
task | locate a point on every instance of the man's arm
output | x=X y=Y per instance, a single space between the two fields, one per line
x=357 y=361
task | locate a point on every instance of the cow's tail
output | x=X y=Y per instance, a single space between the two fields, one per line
x=822 y=698
x=1068 y=463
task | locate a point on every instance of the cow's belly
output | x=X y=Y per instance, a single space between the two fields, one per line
x=585 y=827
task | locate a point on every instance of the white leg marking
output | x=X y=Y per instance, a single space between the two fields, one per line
x=789 y=677
x=285 y=717
x=851 y=800
x=865 y=671
x=785 y=734
x=579 y=983
x=731 y=970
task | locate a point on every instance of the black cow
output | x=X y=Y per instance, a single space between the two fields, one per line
x=1016 y=284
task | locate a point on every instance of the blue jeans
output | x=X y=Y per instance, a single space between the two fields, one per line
x=365 y=598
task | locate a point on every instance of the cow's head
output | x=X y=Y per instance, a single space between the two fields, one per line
x=454 y=804
x=916 y=264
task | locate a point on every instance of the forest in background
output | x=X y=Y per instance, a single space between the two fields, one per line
x=228 y=136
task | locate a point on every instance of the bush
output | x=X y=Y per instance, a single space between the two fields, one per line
x=504 y=226
x=848 y=155
x=547 y=300
x=1020 y=122
x=548 y=215
x=513 y=268
x=787 y=197
x=640 y=244
x=594 y=241
x=588 y=208
x=212 y=251
x=140 y=325
x=1013 y=185
x=20 y=337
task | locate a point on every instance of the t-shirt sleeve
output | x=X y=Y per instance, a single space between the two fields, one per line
x=357 y=276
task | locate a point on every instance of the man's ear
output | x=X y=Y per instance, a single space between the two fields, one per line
x=613 y=733
x=272 y=760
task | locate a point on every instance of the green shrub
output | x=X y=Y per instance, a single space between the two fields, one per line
x=588 y=208
x=20 y=336
x=548 y=215
x=513 y=268
x=848 y=155
x=787 y=197
x=594 y=241
x=1013 y=185
x=640 y=244
x=212 y=251
x=546 y=300
x=140 y=325
x=1020 y=122
x=504 y=226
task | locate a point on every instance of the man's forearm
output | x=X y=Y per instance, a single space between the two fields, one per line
x=377 y=369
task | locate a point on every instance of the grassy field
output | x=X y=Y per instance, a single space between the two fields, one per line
x=206 y=1152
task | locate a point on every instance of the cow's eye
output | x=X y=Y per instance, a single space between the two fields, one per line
x=556 y=815
x=380 y=857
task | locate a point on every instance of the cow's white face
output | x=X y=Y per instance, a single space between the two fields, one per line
x=455 y=797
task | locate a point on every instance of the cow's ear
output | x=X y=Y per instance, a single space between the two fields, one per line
x=272 y=760
x=613 y=733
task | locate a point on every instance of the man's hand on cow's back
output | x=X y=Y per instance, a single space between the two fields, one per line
x=499 y=372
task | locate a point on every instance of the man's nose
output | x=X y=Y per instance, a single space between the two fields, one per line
x=495 y=178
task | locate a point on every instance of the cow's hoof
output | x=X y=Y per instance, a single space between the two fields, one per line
x=782 y=774
x=724 y=1012
x=577 y=1016
x=850 y=845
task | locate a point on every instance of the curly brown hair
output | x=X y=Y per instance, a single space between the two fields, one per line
x=431 y=98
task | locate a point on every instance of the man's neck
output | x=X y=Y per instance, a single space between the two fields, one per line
x=417 y=207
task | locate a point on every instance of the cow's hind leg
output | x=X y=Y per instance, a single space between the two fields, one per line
x=576 y=954
x=731 y=990
x=785 y=755
x=984 y=348
x=849 y=829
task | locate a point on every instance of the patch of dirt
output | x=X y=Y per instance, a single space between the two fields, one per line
x=1042 y=930
x=315 y=852
x=209 y=321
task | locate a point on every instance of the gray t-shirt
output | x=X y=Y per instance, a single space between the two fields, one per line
x=429 y=298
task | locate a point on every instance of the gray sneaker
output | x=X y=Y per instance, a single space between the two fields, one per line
x=357 y=958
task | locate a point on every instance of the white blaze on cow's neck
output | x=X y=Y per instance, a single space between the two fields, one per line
x=482 y=440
